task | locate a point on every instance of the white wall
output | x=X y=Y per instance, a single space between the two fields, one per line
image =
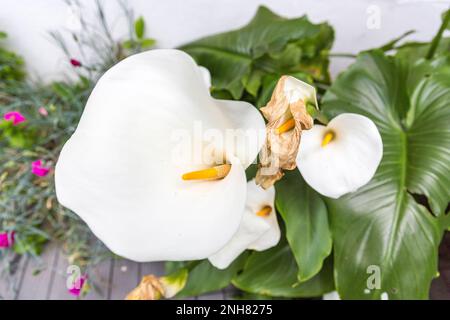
x=173 y=22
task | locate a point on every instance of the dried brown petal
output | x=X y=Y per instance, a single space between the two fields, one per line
x=150 y=288
x=280 y=150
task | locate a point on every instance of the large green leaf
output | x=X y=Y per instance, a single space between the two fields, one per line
x=274 y=273
x=239 y=60
x=383 y=224
x=306 y=219
x=204 y=277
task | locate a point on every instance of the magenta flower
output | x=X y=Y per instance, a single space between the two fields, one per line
x=75 y=63
x=38 y=169
x=77 y=286
x=15 y=116
x=43 y=112
x=6 y=239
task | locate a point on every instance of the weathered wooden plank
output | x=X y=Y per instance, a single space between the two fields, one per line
x=229 y=293
x=125 y=277
x=58 y=287
x=99 y=279
x=12 y=278
x=155 y=268
x=37 y=275
x=439 y=289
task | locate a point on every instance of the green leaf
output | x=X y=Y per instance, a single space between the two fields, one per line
x=3 y=35
x=139 y=27
x=269 y=44
x=391 y=44
x=382 y=224
x=305 y=216
x=147 y=43
x=438 y=37
x=274 y=273
x=63 y=90
x=204 y=277
x=129 y=44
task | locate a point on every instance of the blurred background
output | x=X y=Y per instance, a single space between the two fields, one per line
x=359 y=25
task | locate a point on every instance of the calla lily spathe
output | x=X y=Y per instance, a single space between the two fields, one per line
x=341 y=157
x=118 y=171
x=259 y=228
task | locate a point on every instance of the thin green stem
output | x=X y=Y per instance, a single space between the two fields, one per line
x=342 y=55
x=437 y=38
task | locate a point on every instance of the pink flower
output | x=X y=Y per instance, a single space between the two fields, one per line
x=77 y=286
x=15 y=116
x=75 y=63
x=6 y=239
x=38 y=169
x=43 y=112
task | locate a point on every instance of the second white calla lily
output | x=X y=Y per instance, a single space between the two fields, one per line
x=118 y=171
x=259 y=228
x=341 y=157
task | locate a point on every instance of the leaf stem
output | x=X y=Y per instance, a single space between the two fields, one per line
x=437 y=38
x=342 y=55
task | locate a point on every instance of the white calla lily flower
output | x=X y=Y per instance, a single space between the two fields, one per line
x=259 y=228
x=341 y=157
x=118 y=171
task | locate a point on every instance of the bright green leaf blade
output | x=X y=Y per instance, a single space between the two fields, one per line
x=206 y=278
x=306 y=219
x=269 y=44
x=139 y=27
x=382 y=224
x=274 y=273
x=147 y=43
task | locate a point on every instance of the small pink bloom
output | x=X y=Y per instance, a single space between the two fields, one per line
x=15 y=116
x=77 y=286
x=75 y=63
x=43 y=112
x=6 y=239
x=38 y=169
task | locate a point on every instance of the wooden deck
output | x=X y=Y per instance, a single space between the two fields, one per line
x=113 y=279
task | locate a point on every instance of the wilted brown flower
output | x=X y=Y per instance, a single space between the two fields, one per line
x=150 y=288
x=287 y=117
x=154 y=288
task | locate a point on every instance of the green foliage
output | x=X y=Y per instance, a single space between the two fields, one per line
x=11 y=65
x=139 y=27
x=245 y=62
x=306 y=219
x=274 y=272
x=204 y=277
x=138 y=41
x=409 y=104
x=28 y=203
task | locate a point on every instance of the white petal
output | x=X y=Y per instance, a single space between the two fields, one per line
x=206 y=75
x=255 y=232
x=295 y=90
x=258 y=198
x=333 y=295
x=119 y=171
x=348 y=162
